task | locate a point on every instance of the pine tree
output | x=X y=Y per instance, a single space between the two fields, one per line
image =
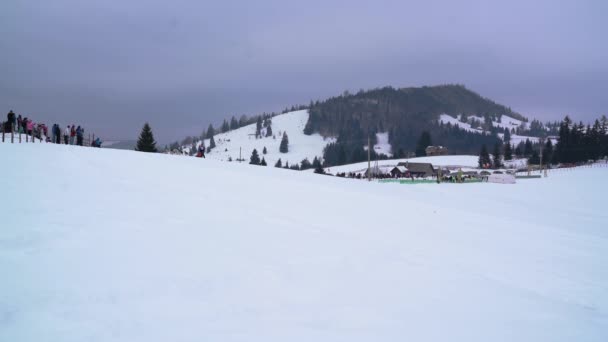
x=284 y=147
x=319 y=169
x=211 y=143
x=534 y=158
x=255 y=158
x=496 y=156
x=548 y=152
x=528 y=150
x=508 y=152
x=423 y=143
x=484 y=158
x=234 y=124
x=269 y=131
x=146 y=142
x=264 y=151
x=507 y=137
x=210 y=131
x=305 y=164
x=316 y=162
x=258 y=127
x=603 y=136
x=518 y=152
x=278 y=163
x=263 y=162
x=225 y=126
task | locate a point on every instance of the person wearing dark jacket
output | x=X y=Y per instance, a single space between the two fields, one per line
x=201 y=151
x=54 y=133
x=57 y=134
x=11 y=119
x=79 y=135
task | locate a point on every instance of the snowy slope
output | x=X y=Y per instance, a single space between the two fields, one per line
x=382 y=145
x=509 y=122
x=445 y=119
x=505 y=122
x=117 y=247
x=300 y=145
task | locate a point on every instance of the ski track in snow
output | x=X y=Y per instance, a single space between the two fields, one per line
x=110 y=245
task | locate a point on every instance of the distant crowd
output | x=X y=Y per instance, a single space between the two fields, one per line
x=70 y=135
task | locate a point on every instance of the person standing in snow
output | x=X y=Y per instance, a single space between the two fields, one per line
x=66 y=135
x=79 y=135
x=11 y=120
x=201 y=151
x=72 y=134
x=30 y=128
x=53 y=130
x=45 y=131
x=58 y=134
x=19 y=123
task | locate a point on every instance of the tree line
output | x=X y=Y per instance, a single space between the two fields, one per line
x=576 y=143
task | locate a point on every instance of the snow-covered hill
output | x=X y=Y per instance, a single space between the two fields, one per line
x=110 y=245
x=300 y=145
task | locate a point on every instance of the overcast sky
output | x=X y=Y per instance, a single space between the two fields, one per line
x=111 y=65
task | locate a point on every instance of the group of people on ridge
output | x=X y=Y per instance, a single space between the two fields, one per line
x=71 y=135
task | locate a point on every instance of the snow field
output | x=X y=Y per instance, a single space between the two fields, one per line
x=110 y=245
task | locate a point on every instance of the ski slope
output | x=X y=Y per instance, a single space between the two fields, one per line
x=111 y=245
x=300 y=145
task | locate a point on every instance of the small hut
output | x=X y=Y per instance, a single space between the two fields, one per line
x=399 y=171
x=419 y=169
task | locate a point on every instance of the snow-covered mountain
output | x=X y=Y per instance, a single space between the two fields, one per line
x=243 y=140
x=111 y=245
x=240 y=143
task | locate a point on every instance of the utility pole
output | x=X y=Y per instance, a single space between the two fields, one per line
x=369 y=160
x=541 y=142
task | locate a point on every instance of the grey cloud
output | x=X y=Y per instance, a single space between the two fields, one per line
x=111 y=65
